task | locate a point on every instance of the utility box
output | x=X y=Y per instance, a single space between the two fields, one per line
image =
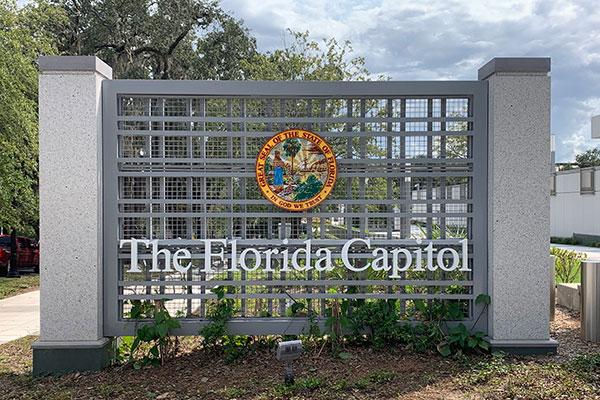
x=290 y=350
x=590 y=301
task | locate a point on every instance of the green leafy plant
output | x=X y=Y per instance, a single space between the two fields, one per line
x=421 y=337
x=460 y=339
x=379 y=319
x=337 y=322
x=154 y=339
x=123 y=353
x=215 y=335
x=219 y=312
x=301 y=309
x=379 y=324
x=567 y=264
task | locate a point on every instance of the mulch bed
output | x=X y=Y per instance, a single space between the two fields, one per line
x=366 y=374
x=566 y=328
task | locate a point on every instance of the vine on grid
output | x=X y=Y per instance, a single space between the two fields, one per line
x=153 y=339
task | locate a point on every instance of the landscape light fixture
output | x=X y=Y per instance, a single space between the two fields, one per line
x=288 y=352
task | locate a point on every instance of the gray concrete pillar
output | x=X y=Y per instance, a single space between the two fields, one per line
x=70 y=114
x=519 y=204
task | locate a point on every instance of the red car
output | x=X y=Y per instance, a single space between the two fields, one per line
x=28 y=253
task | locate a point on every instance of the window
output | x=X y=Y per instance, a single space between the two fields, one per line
x=586 y=181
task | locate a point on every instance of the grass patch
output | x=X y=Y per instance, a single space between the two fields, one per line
x=377 y=377
x=537 y=381
x=301 y=385
x=324 y=385
x=14 y=286
x=587 y=367
x=233 y=393
x=499 y=378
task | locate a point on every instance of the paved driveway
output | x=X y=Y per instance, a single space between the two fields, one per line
x=19 y=316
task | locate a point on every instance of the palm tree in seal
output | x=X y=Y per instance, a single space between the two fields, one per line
x=291 y=148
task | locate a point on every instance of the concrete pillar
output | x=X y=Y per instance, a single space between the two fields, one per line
x=70 y=100
x=519 y=204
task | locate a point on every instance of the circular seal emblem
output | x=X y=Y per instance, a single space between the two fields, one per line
x=296 y=169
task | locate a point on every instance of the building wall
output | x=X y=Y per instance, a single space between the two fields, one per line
x=573 y=212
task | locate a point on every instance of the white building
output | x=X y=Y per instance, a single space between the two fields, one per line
x=575 y=201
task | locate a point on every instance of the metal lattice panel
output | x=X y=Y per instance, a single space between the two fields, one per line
x=179 y=166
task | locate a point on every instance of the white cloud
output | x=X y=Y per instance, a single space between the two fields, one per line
x=579 y=140
x=575 y=144
x=451 y=39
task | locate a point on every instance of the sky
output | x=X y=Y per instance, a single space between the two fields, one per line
x=451 y=39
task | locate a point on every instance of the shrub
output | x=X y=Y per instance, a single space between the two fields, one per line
x=567 y=264
x=153 y=338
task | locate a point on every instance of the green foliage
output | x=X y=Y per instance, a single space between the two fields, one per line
x=484 y=370
x=589 y=158
x=379 y=323
x=14 y=286
x=421 y=337
x=219 y=313
x=459 y=339
x=498 y=377
x=305 y=59
x=301 y=309
x=375 y=378
x=25 y=34
x=564 y=240
x=576 y=241
x=587 y=366
x=215 y=335
x=338 y=321
x=379 y=319
x=123 y=353
x=153 y=339
x=308 y=189
x=567 y=264
x=163 y=39
x=301 y=385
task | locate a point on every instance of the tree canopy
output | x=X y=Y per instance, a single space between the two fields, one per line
x=24 y=35
x=146 y=39
x=589 y=158
x=159 y=39
x=306 y=59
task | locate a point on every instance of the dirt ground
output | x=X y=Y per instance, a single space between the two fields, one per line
x=391 y=373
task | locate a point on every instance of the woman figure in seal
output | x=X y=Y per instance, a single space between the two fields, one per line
x=278 y=167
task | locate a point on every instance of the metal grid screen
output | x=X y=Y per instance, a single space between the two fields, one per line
x=179 y=166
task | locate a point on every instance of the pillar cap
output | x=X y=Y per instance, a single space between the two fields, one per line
x=514 y=64
x=74 y=64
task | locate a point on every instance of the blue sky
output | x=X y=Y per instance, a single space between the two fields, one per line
x=451 y=39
